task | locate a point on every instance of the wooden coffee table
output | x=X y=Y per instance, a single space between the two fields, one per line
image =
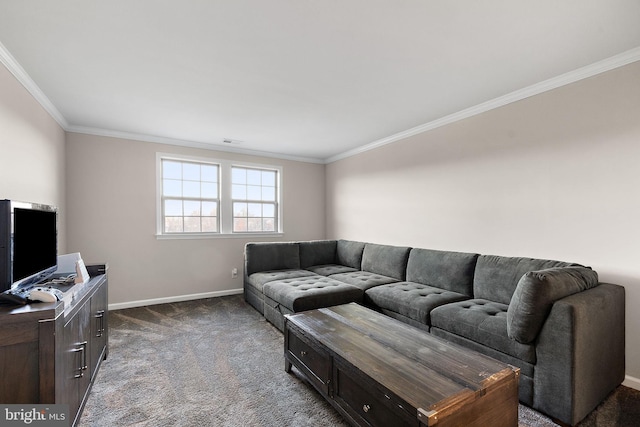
x=377 y=371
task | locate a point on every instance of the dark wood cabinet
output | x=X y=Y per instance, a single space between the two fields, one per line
x=51 y=352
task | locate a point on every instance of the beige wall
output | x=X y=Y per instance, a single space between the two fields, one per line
x=32 y=151
x=553 y=176
x=111 y=187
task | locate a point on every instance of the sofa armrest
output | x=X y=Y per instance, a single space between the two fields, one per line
x=580 y=352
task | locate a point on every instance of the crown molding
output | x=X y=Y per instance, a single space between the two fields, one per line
x=608 y=64
x=191 y=144
x=21 y=75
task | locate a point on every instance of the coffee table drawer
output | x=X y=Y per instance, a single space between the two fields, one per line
x=369 y=404
x=315 y=363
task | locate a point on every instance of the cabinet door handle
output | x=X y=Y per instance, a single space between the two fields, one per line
x=100 y=318
x=366 y=408
x=84 y=356
x=83 y=359
x=303 y=353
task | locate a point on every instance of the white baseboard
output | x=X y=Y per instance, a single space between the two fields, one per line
x=178 y=298
x=632 y=382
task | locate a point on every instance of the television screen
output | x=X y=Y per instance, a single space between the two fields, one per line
x=28 y=242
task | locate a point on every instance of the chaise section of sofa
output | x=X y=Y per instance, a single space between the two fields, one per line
x=266 y=262
x=280 y=285
x=552 y=319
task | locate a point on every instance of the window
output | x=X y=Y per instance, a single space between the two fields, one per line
x=190 y=197
x=255 y=203
x=203 y=197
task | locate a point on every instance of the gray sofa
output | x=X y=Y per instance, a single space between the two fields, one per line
x=554 y=320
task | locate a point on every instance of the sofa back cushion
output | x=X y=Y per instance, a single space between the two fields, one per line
x=452 y=271
x=266 y=256
x=317 y=252
x=390 y=261
x=535 y=294
x=496 y=277
x=349 y=253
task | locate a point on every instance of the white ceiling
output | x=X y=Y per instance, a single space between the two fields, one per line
x=305 y=79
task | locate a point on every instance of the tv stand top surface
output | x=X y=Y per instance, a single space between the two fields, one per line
x=72 y=294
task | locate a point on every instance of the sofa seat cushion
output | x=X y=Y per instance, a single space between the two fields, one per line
x=306 y=293
x=257 y=280
x=484 y=322
x=412 y=300
x=329 y=269
x=363 y=279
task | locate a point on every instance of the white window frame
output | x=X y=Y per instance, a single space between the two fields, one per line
x=225 y=208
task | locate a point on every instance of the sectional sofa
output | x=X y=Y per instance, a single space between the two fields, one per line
x=554 y=320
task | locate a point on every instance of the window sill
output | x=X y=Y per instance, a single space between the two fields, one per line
x=197 y=236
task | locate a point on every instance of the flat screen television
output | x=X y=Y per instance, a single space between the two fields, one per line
x=28 y=243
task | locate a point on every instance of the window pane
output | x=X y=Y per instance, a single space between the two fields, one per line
x=191 y=189
x=269 y=194
x=191 y=171
x=268 y=210
x=254 y=210
x=171 y=187
x=172 y=170
x=209 y=225
x=191 y=208
x=254 y=177
x=254 y=224
x=269 y=178
x=254 y=192
x=239 y=209
x=209 y=173
x=268 y=224
x=238 y=176
x=173 y=207
x=209 y=190
x=192 y=224
x=239 y=224
x=239 y=192
x=209 y=209
x=173 y=224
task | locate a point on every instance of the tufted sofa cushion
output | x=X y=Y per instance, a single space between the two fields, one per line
x=412 y=300
x=496 y=277
x=484 y=322
x=329 y=269
x=257 y=280
x=452 y=271
x=535 y=294
x=363 y=279
x=306 y=293
x=386 y=260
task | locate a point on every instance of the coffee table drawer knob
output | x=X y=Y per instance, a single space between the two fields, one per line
x=366 y=408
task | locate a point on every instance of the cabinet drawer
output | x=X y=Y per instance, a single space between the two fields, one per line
x=315 y=363
x=369 y=405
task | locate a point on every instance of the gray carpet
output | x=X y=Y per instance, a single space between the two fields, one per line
x=217 y=362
